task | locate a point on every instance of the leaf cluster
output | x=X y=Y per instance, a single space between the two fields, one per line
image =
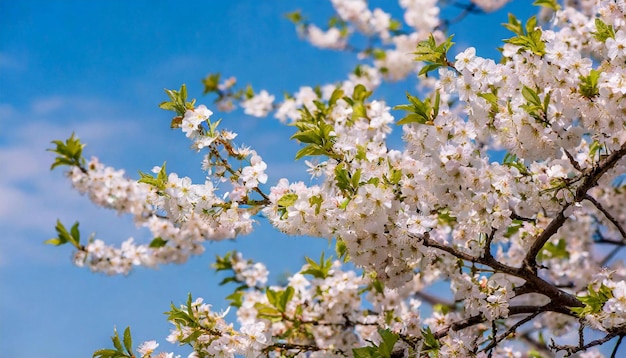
x=434 y=54
x=422 y=112
x=125 y=351
x=69 y=152
x=315 y=133
x=512 y=161
x=603 y=31
x=589 y=84
x=594 y=301
x=277 y=307
x=534 y=106
x=178 y=104
x=383 y=350
x=64 y=236
x=319 y=270
x=284 y=202
x=159 y=182
x=549 y=4
x=528 y=36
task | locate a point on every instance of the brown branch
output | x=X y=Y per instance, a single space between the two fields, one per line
x=515 y=216
x=607 y=214
x=574 y=349
x=619 y=342
x=515 y=310
x=511 y=330
x=590 y=180
x=530 y=261
x=433 y=300
x=537 y=345
x=301 y=348
x=572 y=161
x=533 y=282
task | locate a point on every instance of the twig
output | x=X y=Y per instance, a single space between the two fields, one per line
x=511 y=330
x=433 y=300
x=607 y=214
x=572 y=160
x=619 y=341
x=515 y=310
x=574 y=349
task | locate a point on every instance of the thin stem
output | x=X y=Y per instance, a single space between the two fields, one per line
x=607 y=214
x=619 y=341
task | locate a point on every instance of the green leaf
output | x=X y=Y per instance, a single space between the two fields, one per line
x=341 y=249
x=284 y=297
x=318 y=270
x=106 y=353
x=63 y=236
x=604 y=31
x=589 y=84
x=235 y=298
x=267 y=312
x=435 y=55
x=531 y=96
x=116 y=340
x=389 y=339
x=272 y=296
x=69 y=152
x=287 y=200
x=528 y=36
x=365 y=352
x=54 y=241
x=490 y=97
x=360 y=93
x=429 y=68
x=395 y=25
x=128 y=341
x=159 y=182
x=295 y=17
x=178 y=103
x=422 y=112
x=337 y=94
x=431 y=344
x=316 y=201
x=550 y=4
x=309 y=136
x=594 y=301
x=157 y=242
x=223 y=263
x=75 y=234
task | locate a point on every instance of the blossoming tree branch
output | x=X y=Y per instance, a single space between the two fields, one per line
x=527 y=243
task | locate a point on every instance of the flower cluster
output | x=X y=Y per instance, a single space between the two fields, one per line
x=510 y=177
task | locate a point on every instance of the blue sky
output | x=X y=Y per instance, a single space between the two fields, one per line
x=98 y=69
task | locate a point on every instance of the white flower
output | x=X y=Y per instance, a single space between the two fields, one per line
x=147 y=348
x=193 y=118
x=259 y=105
x=332 y=38
x=617 y=46
x=254 y=174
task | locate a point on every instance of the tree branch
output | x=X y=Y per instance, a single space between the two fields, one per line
x=607 y=214
x=480 y=318
x=533 y=282
x=575 y=349
x=590 y=180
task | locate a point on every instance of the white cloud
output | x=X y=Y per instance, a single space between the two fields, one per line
x=32 y=197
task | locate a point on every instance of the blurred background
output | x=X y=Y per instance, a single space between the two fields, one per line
x=98 y=69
